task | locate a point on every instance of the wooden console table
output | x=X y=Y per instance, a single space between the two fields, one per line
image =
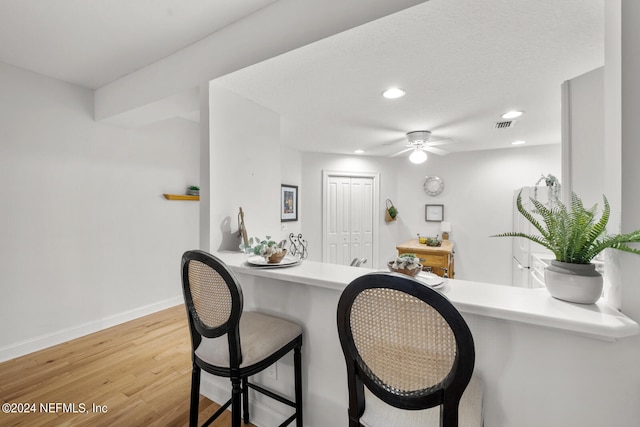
x=439 y=258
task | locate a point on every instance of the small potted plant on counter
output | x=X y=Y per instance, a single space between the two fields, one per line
x=407 y=264
x=272 y=251
x=575 y=237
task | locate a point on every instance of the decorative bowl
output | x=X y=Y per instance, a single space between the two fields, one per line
x=405 y=271
x=276 y=258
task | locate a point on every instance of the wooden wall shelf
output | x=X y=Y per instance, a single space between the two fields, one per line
x=181 y=197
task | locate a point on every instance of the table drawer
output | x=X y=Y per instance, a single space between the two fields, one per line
x=434 y=260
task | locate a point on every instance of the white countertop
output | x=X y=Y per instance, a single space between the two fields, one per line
x=523 y=305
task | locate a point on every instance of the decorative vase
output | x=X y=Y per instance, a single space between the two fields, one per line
x=579 y=283
x=276 y=258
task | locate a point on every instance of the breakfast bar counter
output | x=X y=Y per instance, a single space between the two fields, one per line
x=524 y=305
x=525 y=341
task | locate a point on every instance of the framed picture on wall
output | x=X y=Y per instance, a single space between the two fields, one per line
x=434 y=213
x=288 y=203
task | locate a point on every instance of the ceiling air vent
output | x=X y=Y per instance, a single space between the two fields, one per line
x=504 y=125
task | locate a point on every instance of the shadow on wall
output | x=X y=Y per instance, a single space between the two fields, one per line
x=230 y=239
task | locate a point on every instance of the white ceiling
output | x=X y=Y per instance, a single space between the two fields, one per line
x=94 y=42
x=462 y=62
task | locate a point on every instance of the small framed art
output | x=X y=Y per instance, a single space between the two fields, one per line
x=288 y=203
x=434 y=213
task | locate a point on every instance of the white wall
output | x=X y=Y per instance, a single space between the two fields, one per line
x=245 y=169
x=585 y=130
x=86 y=238
x=477 y=200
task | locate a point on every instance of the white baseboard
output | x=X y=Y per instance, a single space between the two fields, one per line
x=219 y=391
x=38 y=343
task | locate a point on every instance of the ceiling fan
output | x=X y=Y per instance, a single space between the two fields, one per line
x=419 y=142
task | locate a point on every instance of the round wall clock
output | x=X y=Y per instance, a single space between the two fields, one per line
x=433 y=185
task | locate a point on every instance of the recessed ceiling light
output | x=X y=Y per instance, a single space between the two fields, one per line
x=520 y=142
x=393 y=93
x=511 y=114
x=358 y=151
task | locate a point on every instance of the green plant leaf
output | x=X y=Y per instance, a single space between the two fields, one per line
x=572 y=233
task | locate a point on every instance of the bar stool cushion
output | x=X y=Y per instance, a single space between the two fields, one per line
x=261 y=335
x=379 y=414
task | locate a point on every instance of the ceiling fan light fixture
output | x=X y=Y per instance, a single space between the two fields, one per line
x=418 y=137
x=394 y=92
x=418 y=156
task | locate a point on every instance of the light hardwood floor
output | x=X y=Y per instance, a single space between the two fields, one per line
x=140 y=371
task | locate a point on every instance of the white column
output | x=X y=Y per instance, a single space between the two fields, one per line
x=630 y=132
x=205 y=170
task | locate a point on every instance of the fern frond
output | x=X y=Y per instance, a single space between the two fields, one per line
x=537 y=239
x=573 y=233
x=544 y=232
x=618 y=241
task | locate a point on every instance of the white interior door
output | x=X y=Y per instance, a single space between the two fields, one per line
x=349 y=223
x=361 y=211
x=337 y=236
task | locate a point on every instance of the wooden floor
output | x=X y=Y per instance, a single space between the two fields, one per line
x=140 y=372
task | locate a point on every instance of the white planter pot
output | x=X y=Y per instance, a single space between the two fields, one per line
x=579 y=283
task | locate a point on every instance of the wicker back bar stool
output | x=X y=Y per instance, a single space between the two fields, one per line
x=409 y=353
x=229 y=342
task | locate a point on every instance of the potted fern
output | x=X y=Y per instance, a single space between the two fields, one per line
x=575 y=236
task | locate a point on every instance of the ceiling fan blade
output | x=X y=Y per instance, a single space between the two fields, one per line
x=441 y=141
x=434 y=150
x=395 y=141
x=401 y=152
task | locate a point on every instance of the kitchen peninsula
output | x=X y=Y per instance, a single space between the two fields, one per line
x=522 y=336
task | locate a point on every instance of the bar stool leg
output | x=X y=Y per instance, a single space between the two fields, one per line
x=236 y=404
x=245 y=400
x=297 y=362
x=195 y=396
